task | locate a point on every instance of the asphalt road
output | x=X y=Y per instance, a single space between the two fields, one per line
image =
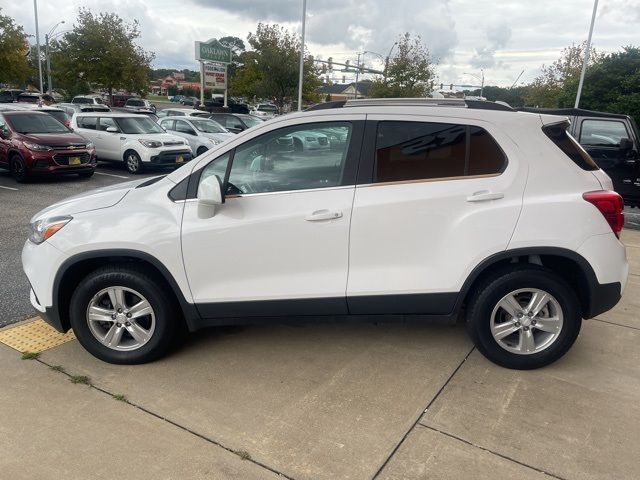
x=18 y=203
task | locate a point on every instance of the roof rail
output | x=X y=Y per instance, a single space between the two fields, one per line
x=414 y=102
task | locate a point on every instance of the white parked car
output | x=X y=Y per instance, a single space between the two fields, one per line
x=137 y=103
x=442 y=211
x=134 y=139
x=201 y=133
x=265 y=111
x=88 y=100
x=181 y=112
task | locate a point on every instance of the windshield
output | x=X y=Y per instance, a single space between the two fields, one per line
x=138 y=125
x=82 y=100
x=208 y=126
x=267 y=108
x=36 y=123
x=135 y=103
x=251 y=121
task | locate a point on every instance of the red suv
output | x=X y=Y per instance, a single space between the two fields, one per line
x=34 y=143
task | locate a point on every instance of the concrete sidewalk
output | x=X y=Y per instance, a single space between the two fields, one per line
x=331 y=402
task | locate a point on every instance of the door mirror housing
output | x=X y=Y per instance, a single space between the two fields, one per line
x=5 y=133
x=626 y=144
x=112 y=130
x=210 y=191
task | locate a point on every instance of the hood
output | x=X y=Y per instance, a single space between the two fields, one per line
x=160 y=137
x=61 y=139
x=92 y=200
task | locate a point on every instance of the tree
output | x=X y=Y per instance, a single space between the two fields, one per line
x=101 y=51
x=612 y=85
x=408 y=73
x=271 y=69
x=545 y=89
x=237 y=49
x=13 y=52
x=513 y=96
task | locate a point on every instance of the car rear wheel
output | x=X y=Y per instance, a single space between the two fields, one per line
x=524 y=317
x=133 y=162
x=18 y=169
x=122 y=315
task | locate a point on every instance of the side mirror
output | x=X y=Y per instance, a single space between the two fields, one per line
x=626 y=144
x=234 y=129
x=112 y=130
x=210 y=191
x=5 y=133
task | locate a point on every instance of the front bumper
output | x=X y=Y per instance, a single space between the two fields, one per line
x=171 y=157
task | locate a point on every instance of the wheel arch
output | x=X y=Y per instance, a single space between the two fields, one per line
x=79 y=266
x=569 y=265
x=127 y=150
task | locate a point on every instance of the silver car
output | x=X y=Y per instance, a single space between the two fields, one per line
x=201 y=133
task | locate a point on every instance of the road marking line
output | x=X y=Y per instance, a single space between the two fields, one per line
x=112 y=175
x=9 y=188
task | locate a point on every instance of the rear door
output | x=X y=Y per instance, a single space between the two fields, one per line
x=434 y=198
x=601 y=138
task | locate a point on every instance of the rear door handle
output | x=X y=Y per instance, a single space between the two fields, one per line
x=319 y=215
x=484 y=196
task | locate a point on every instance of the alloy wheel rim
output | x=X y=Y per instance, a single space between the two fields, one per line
x=132 y=163
x=526 y=321
x=121 y=318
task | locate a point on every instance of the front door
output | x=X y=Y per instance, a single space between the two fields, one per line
x=601 y=139
x=109 y=143
x=435 y=197
x=279 y=244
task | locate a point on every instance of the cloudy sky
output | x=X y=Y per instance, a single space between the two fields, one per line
x=502 y=37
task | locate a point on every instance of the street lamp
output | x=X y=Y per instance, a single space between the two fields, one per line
x=479 y=78
x=35 y=11
x=304 y=18
x=586 y=54
x=47 y=37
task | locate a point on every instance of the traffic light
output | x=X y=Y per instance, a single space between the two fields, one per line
x=346 y=64
x=442 y=86
x=451 y=87
x=330 y=62
x=344 y=79
x=324 y=68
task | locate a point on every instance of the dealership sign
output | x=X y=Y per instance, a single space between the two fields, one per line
x=213 y=51
x=215 y=76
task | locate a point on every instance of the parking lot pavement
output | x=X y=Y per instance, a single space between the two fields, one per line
x=18 y=203
x=632 y=218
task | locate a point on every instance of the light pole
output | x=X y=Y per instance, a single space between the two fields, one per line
x=586 y=53
x=357 y=74
x=300 y=78
x=386 y=62
x=47 y=37
x=35 y=11
x=479 y=78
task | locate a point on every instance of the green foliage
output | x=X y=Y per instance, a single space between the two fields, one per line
x=100 y=51
x=271 y=69
x=513 y=96
x=14 y=67
x=409 y=72
x=30 y=355
x=546 y=88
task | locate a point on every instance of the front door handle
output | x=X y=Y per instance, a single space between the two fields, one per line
x=319 y=215
x=484 y=196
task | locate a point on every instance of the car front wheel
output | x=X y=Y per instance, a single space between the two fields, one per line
x=524 y=317
x=133 y=162
x=121 y=315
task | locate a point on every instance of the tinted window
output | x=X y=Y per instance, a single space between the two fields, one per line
x=217 y=167
x=36 y=123
x=294 y=158
x=485 y=156
x=82 y=100
x=233 y=122
x=251 y=121
x=138 y=125
x=135 y=103
x=416 y=150
x=208 y=126
x=184 y=127
x=62 y=117
x=167 y=124
x=106 y=122
x=557 y=132
x=602 y=133
x=87 y=122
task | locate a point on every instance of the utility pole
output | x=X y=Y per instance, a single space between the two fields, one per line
x=35 y=10
x=301 y=76
x=48 y=37
x=357 y=73
x=586 y=53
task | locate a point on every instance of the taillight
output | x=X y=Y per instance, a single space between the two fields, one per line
x=610 y=205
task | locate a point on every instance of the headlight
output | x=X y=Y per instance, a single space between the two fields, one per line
x=90 y=146
x=310 y=139
x=214 y=141
x=151 y=143
x=44 y=228
x=36 y=147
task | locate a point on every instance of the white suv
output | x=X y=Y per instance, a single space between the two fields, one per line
x=417 y=209
x=134 y=139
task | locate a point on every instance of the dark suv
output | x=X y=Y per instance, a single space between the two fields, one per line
x=613 y=141
x=34 y=143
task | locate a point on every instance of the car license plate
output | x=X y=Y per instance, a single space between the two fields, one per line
x=179 y=159
x=74 y=161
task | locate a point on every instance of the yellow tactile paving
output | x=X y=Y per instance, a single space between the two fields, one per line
x=35 y=336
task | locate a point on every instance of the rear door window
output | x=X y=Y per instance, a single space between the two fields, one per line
x=88 y=123
x=602 y=133
x=106 y=122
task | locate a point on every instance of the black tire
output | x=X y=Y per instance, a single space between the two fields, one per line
x=167 y=317
x=18 y=169
x=201 y=150
x=133 y=162
x=86 y=174
x=488 y=294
